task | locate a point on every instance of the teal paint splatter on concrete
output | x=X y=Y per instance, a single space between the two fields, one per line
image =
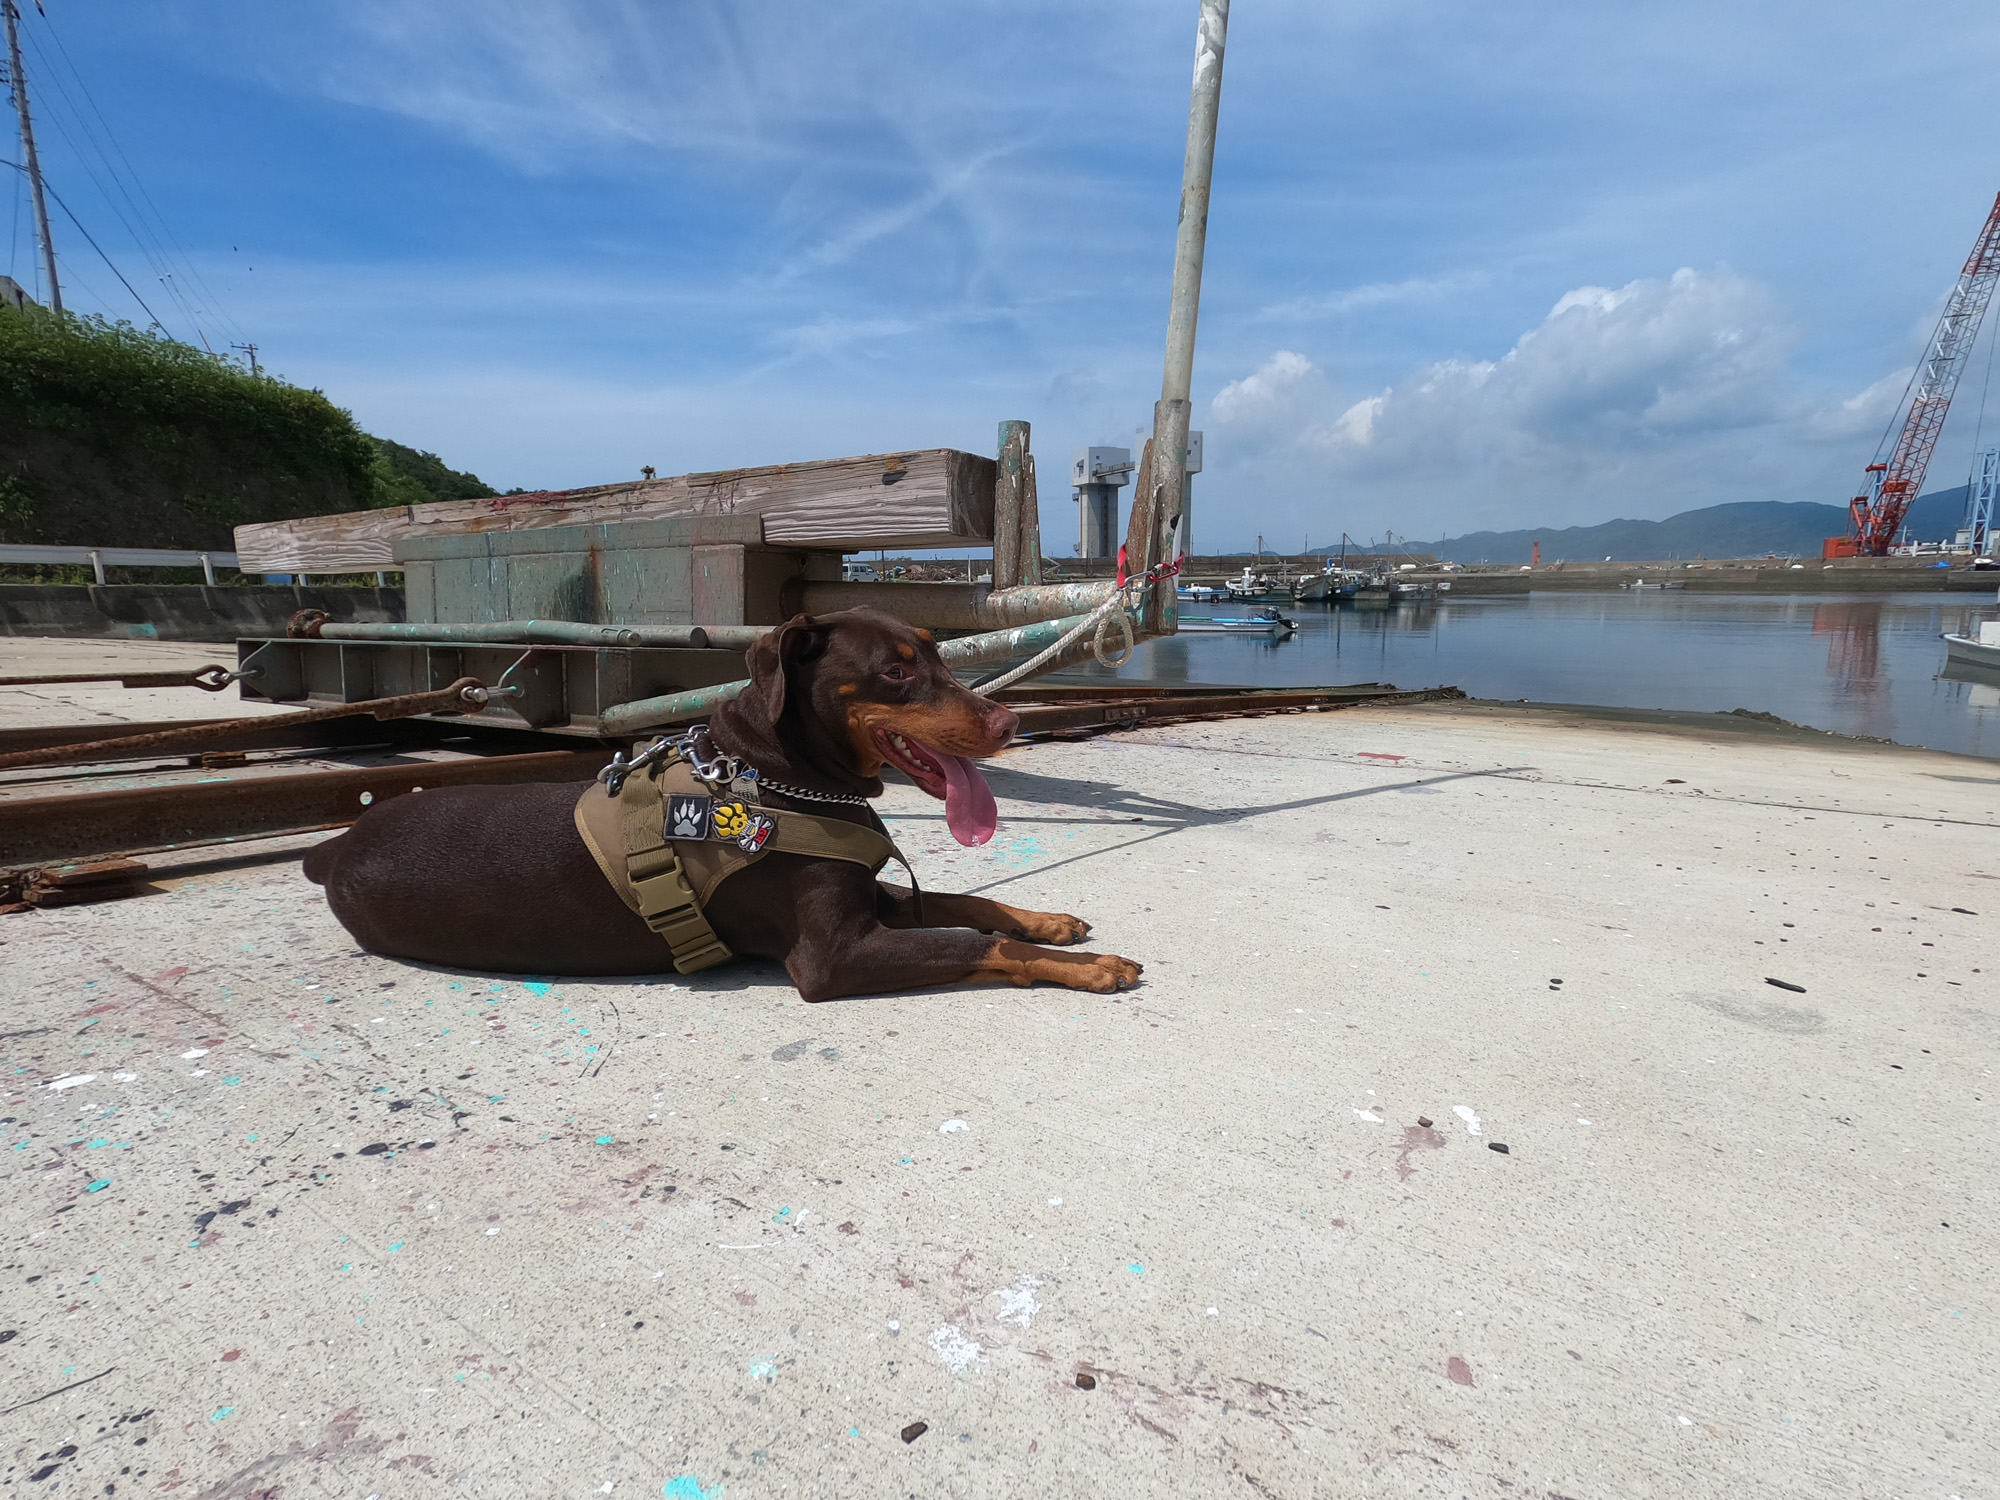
x=234 y=1078
x=99 y=1186
x=535 y=988
x=604 y=1140
x=781 y=1215
x=763 y=1370
x=221 y=1412
x=395 y=1247
x=1136 y=1269
x=687 y=1487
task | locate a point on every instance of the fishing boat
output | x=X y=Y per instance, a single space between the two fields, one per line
x=1203 y=593
x=1982 y=650
x=1266 y=622
x=1248 y=587
x=1328 y=586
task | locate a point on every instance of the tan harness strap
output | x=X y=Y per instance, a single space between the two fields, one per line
x=665 y=893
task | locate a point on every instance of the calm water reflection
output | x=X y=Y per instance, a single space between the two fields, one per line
x=1856 y=665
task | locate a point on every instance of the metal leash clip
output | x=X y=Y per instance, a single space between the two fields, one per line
x=718 y=769
x=613 y=776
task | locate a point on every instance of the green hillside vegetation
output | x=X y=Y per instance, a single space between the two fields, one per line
x=116 y=436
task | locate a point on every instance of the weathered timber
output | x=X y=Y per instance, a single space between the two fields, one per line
x=935 y=497
x=142 y=820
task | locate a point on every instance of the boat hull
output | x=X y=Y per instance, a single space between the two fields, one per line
x=1968 y=652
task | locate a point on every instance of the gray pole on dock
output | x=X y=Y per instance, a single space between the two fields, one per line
x=1158 y=502
x=19 y=85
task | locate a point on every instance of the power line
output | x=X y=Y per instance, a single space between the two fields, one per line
x=159 y=219
x=95 y=246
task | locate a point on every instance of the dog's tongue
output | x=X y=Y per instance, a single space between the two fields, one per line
x=968 y=801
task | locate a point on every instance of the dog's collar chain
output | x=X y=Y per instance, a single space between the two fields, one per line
x=847 y=799
x=717 y=768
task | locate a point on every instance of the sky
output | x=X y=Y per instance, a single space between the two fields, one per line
x=1469 y=265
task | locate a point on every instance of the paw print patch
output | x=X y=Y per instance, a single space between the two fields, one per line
x=731 y=819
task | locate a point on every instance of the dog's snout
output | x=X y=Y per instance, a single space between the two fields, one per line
x=1001 y=724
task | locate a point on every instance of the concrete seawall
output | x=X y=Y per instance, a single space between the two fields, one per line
x=180 y=611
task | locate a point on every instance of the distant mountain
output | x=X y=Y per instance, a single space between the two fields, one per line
x=1748 y=529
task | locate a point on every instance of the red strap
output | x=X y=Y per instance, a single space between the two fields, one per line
x=1121 y=565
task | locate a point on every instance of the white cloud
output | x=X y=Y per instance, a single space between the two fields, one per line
x=1866 y=411
x=1664 y=392
x=1273 y=397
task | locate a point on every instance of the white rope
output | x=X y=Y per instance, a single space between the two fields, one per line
x=1100 y=619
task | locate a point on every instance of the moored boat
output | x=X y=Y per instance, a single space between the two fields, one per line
x=1264 y=622
x=1982 y=650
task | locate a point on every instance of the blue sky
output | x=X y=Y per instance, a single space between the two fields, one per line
x=1469 y=265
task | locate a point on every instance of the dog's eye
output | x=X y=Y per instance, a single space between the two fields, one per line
x=899 y=673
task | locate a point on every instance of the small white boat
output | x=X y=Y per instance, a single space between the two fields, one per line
x=1264 y=622
x=1982 y=650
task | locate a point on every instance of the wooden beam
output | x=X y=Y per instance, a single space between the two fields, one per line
x=938 y=497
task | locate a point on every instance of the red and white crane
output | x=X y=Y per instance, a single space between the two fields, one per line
x=1876 y=515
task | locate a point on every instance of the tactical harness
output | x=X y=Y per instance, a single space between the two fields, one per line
x=668 y=827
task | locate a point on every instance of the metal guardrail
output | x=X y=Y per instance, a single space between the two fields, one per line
x=121 y=557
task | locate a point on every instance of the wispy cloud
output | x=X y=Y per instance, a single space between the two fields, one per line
x=1376 y=294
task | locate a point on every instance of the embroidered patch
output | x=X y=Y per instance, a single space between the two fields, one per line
x=688 y=817
x=757 y=830
x=731 y=818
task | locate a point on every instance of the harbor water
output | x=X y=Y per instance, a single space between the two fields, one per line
x=1855 y=665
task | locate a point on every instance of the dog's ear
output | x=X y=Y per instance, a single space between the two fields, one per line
x=800 y=639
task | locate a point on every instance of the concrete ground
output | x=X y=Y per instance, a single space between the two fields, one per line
x=286 y=1219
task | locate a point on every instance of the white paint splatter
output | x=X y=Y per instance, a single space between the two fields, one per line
x=1017 y=1302
x=124 y=1077
x=1581 y=1120
x=951 y=1125
x=72 y=1081
x=1054 y=1202
x=1471 y=1119
x=1372 y=1119
x=195 y=1052
x=1213 y=1313
x=954 y=1350
x=494 y=1230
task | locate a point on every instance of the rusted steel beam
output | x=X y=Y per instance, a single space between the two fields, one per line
x=212 y=678
x=1045 y=718
x=141 y=820
x=330 y=734
x=466 y=693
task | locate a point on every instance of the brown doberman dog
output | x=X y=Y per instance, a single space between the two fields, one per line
x=498 y=879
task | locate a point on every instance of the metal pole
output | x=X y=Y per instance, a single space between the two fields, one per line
x=31 y=160
x=1159 y=502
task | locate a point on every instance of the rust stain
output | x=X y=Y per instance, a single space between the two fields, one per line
x=1416 y=1138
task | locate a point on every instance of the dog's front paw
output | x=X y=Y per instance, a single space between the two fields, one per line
x=1053 y=927
x=1108 y=972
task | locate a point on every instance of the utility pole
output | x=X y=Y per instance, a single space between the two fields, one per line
x=1159 y=502
x=32 y=161
x=257 y=369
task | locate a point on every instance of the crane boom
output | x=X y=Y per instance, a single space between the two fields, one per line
x=1877 y=514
